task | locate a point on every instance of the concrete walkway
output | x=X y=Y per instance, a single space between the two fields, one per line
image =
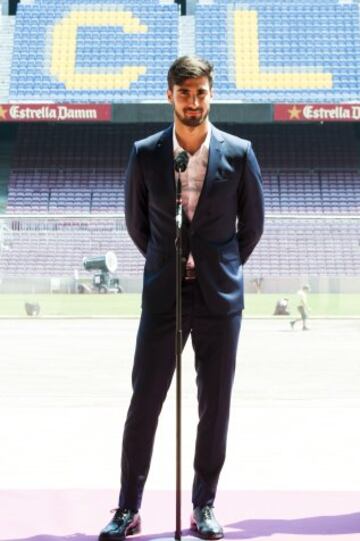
x=292 y=469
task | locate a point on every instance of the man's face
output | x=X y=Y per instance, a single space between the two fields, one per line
x=191 y=101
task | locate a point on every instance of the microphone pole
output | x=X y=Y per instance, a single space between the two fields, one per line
x=181 y=162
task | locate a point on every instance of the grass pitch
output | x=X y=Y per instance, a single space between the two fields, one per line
x=256 y=305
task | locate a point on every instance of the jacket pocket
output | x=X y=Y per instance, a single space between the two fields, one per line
x=230 y=251
x=231 y=256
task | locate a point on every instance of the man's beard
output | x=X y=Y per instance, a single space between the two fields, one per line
x=192 y=122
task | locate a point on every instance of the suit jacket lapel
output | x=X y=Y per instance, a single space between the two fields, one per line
x=213 y=164
x=165 y=163
x=165 y=160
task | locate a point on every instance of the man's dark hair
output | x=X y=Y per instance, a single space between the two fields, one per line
x=189 y=67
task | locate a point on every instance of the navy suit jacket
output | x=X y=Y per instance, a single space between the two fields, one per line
x=227 y=224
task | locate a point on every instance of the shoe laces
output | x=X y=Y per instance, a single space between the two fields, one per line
x=120 y=514
x=207 y=512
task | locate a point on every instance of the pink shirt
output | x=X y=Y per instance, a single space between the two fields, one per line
x=192 y=179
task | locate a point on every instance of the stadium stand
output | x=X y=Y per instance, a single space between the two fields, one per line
x=7 y=25
x=57 y=170
x=60 y=171
x=281 y=51
x=58 y=248
x=115 y=51
x=91 y=51
x=307 y=247
x=64 y=51
x=288 y=247
x=53 y=165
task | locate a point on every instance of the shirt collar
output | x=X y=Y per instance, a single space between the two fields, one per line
x=206 y=144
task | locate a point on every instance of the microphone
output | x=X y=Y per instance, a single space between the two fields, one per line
x=180 y=162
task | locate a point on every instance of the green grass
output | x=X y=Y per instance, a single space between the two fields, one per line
x=336 y=305
x=72 y=305
x=321 y=304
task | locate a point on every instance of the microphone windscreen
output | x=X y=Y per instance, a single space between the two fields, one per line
x=181 y=162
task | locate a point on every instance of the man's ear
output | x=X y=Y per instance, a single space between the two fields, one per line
x=169 y=95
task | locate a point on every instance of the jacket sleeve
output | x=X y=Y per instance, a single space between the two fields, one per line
x=136 y=203
x=250 y=206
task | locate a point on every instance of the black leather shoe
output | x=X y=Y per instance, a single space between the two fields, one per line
x=203 y=521
x=124 y=523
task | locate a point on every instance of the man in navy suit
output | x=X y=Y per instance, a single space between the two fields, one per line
x=223 y=221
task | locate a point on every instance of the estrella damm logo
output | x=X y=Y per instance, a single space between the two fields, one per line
x=104 y=48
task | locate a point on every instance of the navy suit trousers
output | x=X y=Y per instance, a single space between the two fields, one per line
x=214 y=340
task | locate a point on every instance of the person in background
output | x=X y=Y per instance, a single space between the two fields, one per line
x=281 y=307
x=303 y=308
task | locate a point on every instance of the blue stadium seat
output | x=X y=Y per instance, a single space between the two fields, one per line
x=146 y=37
x=283 y=51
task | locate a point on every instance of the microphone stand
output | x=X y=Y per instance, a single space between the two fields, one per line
x=178 y=351
x=180 y=166
x=181 y=162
